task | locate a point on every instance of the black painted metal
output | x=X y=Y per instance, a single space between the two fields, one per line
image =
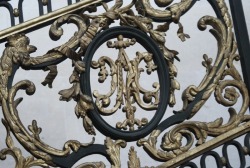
x=162 y=70
x=20 y=8
x=70 y=160
x=216 y=8
x=49 y=6
x=215 y=155
x=10 y=9
x=180 y=116
x=247 y=141
x=242 y=38
x=189 y=164
x=240 y=152
x=69 y=2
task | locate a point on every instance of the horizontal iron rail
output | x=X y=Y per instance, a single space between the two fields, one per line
x=45 y=20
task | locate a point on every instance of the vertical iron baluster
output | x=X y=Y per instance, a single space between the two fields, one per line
x=10 y=9
x=69 y=2
x=213 y=154
x=49 y=6
x=240 y=150
x=20 y=8
x=40 y=4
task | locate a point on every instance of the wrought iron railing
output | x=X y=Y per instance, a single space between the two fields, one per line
x=19 y=12
x=176 y=134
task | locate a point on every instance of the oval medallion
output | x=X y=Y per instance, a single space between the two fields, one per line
x=124 y=74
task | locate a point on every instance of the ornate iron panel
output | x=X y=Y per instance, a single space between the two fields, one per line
x=171 y=141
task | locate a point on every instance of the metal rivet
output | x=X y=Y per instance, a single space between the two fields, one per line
x=45 y=2
x=16 y=12
x=224 y=161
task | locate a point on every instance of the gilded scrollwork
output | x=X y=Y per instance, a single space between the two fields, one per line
x=17 y=53
x=173 y=12
x=158 y=35
x=128 y=91
x=16 y=153
x=214 y=81
x=32 y=140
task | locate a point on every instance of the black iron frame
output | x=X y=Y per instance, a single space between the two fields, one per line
x=244 y=51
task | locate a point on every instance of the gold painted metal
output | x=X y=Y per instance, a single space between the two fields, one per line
x=128 y=91
x=113 y=150
x=134 y=161
x=16 y=12
x=16 y=153
x=174 y=11
x=45 y=2
x=198 y=131
x=209 y=145
x=226 y=90
x=17 y=52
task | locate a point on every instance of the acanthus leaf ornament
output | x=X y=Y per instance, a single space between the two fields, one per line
x=17 y=54
x=113 y=150
x=134 y=161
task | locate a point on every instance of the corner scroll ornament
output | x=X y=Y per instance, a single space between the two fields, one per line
x=21 y=162
x=78 y=49
x=213 y=82
x=17 y=54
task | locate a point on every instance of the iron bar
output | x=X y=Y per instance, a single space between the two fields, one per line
x=242 y=38
x=45 y=19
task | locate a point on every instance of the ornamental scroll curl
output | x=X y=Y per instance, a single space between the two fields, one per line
x=132 y=86
x=77 y=48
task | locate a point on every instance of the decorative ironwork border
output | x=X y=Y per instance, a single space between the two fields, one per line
x=135 y=28
x=224 y=160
